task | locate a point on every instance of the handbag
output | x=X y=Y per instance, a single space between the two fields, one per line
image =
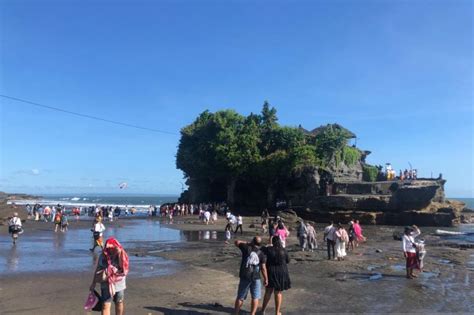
x=98 y=307
x=93 y=302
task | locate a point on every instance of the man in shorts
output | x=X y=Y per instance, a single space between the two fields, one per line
x=252 y=259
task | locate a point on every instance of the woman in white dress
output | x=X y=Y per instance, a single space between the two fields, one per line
x=342 y=238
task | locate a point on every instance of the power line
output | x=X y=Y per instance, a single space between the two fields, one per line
x=87 y=116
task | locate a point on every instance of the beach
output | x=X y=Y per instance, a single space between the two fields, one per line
x=192 y=271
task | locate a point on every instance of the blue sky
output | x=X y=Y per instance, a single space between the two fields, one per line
x=399 y=74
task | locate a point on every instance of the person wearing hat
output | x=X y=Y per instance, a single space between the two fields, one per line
x=409 y=250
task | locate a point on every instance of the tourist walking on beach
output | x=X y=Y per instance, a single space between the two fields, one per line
x=359 y=238
x=97 y=231
x=64 y=222
x=29 y=209
x=110 y=214
x=330 y=238
x=228 y=234
x=350 y=245
x=240 y=223
x=312 y=242
x=214 y=216
x=409 y=250
x=272 y=225
x=57 y=220
x=15 y=227
x=341 y=240
x=207 y=217
x=46 y=213
x=111 y=272
x=264 y=220
x=251 y=266
x=282 y=232
x=278 y=276
x=302 y=235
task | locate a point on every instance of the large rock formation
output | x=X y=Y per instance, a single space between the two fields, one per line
x=420 y=202
x=340 y=186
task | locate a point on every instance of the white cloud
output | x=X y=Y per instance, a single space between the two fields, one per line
x=34 y=172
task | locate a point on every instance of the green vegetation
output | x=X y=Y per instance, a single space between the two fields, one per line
x=329 y=143
x=369 y=173
x=223 y=148
x=350 y=155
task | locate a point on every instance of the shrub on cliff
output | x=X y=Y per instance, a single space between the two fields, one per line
x=350 y=155
x=369 y=173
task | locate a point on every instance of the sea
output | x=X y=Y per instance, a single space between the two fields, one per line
x=139 y=201
x=130 y=200
x=468 y=201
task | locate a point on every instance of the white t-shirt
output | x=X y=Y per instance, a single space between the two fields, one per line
x=207 y=215
x=239 y=220
x=99 y=227
x=408 y=241
x=14 y=221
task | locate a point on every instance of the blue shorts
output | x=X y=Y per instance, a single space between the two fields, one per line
x=107 y=298
x=255 y=287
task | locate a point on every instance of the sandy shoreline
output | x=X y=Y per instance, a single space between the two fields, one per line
x=206 y=280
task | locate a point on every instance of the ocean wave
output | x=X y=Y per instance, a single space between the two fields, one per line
x=77 y=204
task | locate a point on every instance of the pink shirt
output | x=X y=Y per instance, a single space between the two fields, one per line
x=282 y=233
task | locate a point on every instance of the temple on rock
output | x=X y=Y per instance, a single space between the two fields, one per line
x=337 y=184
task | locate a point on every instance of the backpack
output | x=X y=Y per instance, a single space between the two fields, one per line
x=251 y=268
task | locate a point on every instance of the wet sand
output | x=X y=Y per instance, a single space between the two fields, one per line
x=201 y=277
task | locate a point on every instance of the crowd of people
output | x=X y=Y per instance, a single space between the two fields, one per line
x=408 y=174
x=207 y=212
x=339 y=240
x=390 y=174
x=261 y=266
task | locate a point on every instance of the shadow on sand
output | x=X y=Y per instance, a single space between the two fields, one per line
x=210 y=308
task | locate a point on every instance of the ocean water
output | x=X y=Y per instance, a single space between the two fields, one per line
x=468 y=201
x=47 y=251
x=85 y=200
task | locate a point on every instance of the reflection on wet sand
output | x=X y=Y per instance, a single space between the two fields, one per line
x=47 y=251
x=12 y=259
x=194 y=236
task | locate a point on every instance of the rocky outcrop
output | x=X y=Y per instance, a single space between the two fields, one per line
x=395 y=203
x=7 y=210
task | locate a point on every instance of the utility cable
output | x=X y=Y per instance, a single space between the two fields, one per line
x=87 y=116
